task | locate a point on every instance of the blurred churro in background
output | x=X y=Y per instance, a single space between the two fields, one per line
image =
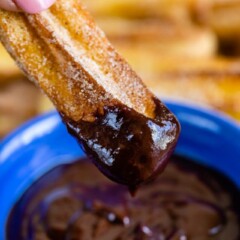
x=8 y=69
x=186 y=50
x=223 y=17
x=19 y=98
x=154 y=39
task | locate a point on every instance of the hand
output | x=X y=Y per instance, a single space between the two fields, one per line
x=29 y=6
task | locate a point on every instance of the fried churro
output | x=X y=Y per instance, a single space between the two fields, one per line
x=127 y=131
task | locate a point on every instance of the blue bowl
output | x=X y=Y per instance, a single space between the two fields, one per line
x=43 y=143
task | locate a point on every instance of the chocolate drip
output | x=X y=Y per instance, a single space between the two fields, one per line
x=126 y=146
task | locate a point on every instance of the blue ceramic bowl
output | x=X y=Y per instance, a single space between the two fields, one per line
x=39 y=145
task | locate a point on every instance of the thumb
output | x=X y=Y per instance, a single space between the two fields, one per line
x=33 y=6
x=29 y=6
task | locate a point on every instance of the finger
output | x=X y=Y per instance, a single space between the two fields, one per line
x=33 y=6
x=8 y=5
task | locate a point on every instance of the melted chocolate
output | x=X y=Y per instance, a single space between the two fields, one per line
x=75 y=201
x=126 y=146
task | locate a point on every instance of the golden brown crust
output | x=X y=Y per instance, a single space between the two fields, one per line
x=69 y=57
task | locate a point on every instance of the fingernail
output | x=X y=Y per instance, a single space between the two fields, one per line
x=34 y=6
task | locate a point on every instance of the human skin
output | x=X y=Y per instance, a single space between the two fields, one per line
x=29 y=6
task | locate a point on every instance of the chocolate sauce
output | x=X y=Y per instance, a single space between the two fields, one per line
x=126 y=146
x=76 y=201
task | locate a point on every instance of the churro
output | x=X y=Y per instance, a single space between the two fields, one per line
x=127 y=131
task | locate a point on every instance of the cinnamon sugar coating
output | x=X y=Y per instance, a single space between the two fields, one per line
x=69 y=57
